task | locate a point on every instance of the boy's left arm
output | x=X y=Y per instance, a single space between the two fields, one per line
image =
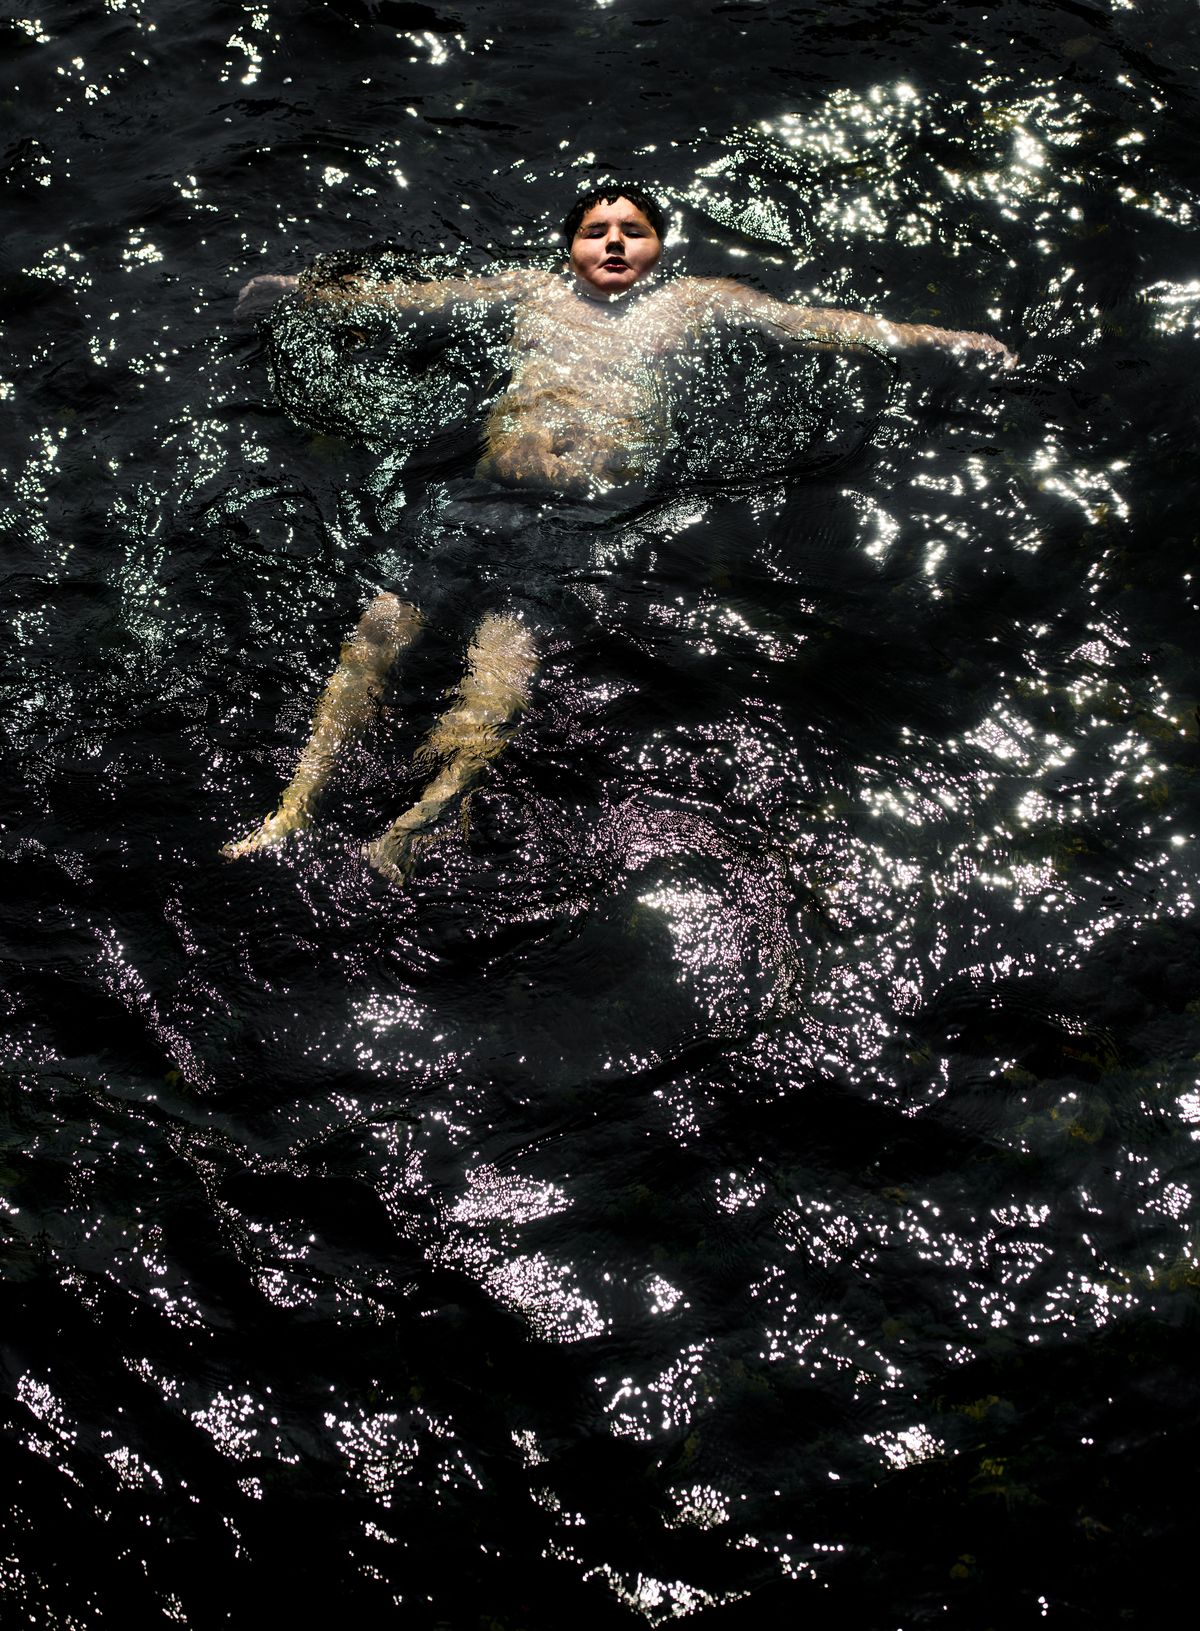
x=827 y=326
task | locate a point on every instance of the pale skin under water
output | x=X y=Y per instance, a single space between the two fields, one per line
x=581 y=415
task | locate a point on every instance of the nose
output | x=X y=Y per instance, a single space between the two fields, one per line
x=616 y=241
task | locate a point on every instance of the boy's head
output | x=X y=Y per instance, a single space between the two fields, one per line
x=615 y=238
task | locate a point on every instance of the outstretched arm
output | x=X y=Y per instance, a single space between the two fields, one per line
x=357 y=291
x=828 y=326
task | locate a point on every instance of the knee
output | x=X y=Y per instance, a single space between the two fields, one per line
x=388 y=621
x=504 y=647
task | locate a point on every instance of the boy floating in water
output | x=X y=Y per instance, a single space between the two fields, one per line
x=581 y=416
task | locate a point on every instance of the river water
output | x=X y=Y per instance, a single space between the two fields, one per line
x=748 y=1170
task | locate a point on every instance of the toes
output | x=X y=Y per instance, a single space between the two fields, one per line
x=237 y=847
x=391 y=861
x=270 y=835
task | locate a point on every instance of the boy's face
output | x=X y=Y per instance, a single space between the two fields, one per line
x=614 y=245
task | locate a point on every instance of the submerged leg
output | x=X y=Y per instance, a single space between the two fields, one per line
x=385 y=628
x=500 y=666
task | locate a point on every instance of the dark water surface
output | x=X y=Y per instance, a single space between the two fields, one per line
x=748 y=1172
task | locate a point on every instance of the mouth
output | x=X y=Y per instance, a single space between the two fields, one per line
x=614 y=263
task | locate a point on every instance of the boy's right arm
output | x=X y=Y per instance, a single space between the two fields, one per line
x=355 y=291
x=261 y=292
x=426 y=298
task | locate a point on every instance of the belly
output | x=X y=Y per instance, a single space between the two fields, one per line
x=553 y=441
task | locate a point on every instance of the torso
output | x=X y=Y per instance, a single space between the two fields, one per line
x=587 y=406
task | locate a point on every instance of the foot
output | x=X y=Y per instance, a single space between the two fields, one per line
x=393 y=855
x=273 y=832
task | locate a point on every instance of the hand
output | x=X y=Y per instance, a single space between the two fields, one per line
x=989 y=346
x=261 y=292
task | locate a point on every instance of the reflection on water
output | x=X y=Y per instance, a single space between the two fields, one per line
x=756 y=1152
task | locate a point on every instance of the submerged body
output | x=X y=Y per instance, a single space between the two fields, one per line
x=586 y=407
x=586 y=411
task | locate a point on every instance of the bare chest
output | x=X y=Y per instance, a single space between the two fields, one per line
x=566 y=338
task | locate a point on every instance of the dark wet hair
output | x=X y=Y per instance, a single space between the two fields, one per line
x=649 y=207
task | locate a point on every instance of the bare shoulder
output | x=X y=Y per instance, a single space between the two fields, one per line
x=707 y=296
x=707 y=288
x=537 y=287
x=510 y=286
x=697 y=302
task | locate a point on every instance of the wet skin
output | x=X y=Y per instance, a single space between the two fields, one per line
x=583 y=411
